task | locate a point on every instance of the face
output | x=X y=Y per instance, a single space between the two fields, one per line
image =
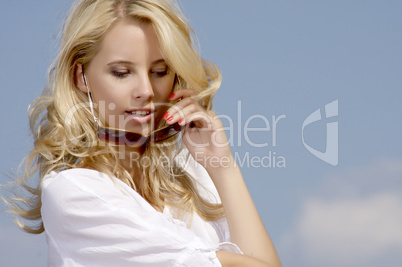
x=129 y=79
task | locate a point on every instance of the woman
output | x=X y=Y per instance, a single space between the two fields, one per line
x=120 y=185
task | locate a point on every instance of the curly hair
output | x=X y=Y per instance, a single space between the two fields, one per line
x=64 y=130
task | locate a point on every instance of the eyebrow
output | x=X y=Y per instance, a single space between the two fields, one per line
x=159 y=61
x=126 y=62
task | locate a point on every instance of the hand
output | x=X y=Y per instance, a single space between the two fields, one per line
x=207 y=142
x=203 y=135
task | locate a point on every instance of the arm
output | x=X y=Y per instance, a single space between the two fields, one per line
x=245 y=225
x=207 y=142
x=229 y=259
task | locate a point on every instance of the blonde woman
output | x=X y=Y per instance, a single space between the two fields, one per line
x=135 y=168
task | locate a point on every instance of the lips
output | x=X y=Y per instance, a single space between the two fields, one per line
x=140 y=111
x=140 y=115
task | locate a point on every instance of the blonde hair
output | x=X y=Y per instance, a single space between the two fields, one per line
x=63 y=127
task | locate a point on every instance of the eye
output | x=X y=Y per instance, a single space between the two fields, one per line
x=160 y=72
x=120 y=73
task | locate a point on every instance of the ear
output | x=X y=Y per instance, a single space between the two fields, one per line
x=79 y=78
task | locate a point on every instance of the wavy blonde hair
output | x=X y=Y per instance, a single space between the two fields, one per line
x=65 y=136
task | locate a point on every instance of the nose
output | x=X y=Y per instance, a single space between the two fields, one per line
x=144 y=89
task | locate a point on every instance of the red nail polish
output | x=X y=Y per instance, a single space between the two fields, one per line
x=166 y=115
x=172 y=95
x=170 y=118
x=181 y=121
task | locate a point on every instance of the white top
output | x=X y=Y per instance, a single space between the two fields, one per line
x=93 y=220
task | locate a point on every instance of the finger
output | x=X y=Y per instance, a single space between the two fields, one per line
x=181 y=113
x=178 y=107
x=182 y=93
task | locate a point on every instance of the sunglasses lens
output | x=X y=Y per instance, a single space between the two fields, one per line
x=120 y=137
x=166 y=133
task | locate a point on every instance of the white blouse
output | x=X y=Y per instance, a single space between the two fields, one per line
x=93 y=220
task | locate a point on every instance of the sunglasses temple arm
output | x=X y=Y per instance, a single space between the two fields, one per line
x=91 y=104
x=92 y=109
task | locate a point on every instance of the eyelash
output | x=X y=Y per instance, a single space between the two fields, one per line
x=123 y=74
x=120 y=74
x=160 y=73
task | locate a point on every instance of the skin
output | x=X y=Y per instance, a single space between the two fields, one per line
x=129 y=73
x=149 y=81
x=209 y=146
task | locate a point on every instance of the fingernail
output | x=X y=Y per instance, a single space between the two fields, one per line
x=181 y=121
x=170 y=119
x=172 y=95
x=166 y=115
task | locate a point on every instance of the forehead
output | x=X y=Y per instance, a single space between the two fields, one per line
x=130 y=40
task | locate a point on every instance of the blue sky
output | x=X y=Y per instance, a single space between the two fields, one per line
x=278 y=58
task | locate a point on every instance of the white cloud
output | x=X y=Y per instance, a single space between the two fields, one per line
x=352 y=225
x=350 y=231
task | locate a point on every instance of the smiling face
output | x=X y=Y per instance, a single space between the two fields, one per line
x=129 y=79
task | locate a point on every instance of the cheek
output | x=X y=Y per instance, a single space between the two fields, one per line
x=163 y=90
x=107 y=90
x=110 y=100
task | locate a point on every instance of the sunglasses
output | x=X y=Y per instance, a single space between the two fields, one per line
x=131 y=138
